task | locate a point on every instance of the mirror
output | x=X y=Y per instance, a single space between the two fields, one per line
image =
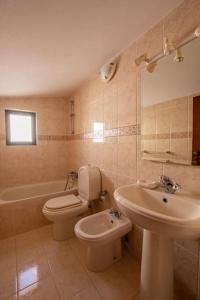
x=170 y=100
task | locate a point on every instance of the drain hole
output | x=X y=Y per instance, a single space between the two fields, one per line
x=165 y=200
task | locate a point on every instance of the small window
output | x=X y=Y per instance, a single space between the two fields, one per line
x=20 y=127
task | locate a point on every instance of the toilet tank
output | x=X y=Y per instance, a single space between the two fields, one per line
x=89 y=182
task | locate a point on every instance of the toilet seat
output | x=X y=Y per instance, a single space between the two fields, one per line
x=67 y=201
x=61 y=208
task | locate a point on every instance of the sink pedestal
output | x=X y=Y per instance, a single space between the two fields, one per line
x=157 y=267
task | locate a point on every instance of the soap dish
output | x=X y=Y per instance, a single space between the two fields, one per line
x=149 y=184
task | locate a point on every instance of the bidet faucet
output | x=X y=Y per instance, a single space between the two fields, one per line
x=169 y=185
x=115 y=212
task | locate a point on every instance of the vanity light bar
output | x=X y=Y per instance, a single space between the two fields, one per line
x=168 y=48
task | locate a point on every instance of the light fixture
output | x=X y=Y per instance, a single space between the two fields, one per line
x=107 y=71
x=141 y=58
x=197 y=32
x=179 y=56
x=168 y=46
x=151 y=66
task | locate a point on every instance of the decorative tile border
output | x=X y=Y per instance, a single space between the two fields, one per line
x=130 y=130
x=164 y=136
x=43 y=137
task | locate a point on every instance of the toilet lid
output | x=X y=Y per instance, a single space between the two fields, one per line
x=63 y=202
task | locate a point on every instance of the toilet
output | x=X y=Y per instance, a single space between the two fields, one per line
x=102 y=233
x=67 y=210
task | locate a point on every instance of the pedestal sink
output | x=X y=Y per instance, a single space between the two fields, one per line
x=164 y=217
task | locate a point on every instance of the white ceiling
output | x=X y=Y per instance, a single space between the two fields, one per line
x=49 y=47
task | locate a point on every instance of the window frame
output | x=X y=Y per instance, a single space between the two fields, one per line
x=7 y=127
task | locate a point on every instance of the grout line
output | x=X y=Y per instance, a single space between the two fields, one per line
x=86 y=272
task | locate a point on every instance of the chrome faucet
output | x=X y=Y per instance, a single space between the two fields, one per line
x=115 y=212
x=169 y=185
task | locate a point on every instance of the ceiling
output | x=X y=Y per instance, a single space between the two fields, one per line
x=49 y=47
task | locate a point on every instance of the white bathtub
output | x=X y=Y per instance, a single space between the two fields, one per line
x=49 y=189
x=21 y=207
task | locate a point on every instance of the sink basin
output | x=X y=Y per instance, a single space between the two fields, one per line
x=177 y=215
x=164 y=217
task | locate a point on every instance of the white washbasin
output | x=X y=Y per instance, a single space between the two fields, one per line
x=177 y=215
x=164 y=217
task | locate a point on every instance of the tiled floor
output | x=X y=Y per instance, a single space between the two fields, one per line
x=34 y=266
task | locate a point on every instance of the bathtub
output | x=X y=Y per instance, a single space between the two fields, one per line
x=48 y=190
x=21 y=206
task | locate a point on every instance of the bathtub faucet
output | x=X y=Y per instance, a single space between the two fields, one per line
x=74 y=176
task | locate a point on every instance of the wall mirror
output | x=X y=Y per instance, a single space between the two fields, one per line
x=170 y=100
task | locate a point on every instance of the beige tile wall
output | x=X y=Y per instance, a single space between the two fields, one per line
x=47 y=160
x=117 y=104
x=167 y=127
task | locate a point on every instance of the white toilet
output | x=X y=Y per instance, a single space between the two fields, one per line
x=102 y=233
x=65 y=211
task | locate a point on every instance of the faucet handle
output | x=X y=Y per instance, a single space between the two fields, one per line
x=115 y=212
x=164 y=179
x=177 y=186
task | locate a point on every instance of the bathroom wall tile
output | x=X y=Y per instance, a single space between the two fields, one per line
x=179 y=115
x=187 y=176
x=127 y=103
x=190 y=245
x=151 y=42
x=127 y=156
x=6 y=221
x=186 y=273
x=182 y=21
x=110 y=109
x=30 y=164
x=179 y=147
x=148 y=169
x=135 y=237
x=162 y=145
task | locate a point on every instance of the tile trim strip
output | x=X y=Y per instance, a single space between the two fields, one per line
x=164 y=136
x=43 y=137
x=130 y=130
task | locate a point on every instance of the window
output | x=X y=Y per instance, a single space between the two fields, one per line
x=20 y=127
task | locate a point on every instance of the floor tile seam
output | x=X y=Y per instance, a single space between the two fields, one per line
x=55 y=285
x=29 y=285
x=16 y=281
x=95 y=286
x=85 y=271
x=85 y=289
